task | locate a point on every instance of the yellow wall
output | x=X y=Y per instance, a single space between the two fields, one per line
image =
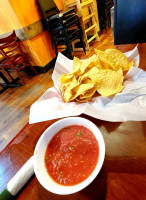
x=15 y=14
x=27 y=11
x=8 y=18
x=59 y=4
x=40 y=46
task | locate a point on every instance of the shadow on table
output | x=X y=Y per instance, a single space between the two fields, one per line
x=110 y=126
x=95 y=190
x=98 y=188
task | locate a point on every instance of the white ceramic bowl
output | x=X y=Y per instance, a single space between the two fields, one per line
x=39 y=165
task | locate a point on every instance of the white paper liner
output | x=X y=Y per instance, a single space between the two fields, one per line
x=129 y=105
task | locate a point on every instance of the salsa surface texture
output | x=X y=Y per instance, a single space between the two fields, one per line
x=72 y=155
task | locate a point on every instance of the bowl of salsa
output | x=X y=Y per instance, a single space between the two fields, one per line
x=69 y=155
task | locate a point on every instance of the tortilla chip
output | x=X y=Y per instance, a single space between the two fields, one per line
x=89 y=93
x=88 y=63
x=83 y=89
x=67 y=93
x=102 y=73
x=91 y=74
x=76 y=66
x=103 y=59
x=113 y=59
x=109 y=82
x=82 y=100
x=66 y=78
x=128 y=66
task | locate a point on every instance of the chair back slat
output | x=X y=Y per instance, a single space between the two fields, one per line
x=9 y=38
x=10 y=44
x=13 y=50
x=14 y=55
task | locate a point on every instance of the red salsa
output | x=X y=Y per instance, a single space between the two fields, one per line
x=72 y=155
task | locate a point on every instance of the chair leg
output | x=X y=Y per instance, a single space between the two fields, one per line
x=20 y=77
x=52 y=41
x=56 y=51
x=2 y=85
x=81 y=40
x=79 y=27
x=9 y=74
x=69 y=49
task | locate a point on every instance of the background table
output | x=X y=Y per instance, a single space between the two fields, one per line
x=123 y=175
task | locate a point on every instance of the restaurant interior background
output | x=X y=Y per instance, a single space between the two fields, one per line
x=26 y=18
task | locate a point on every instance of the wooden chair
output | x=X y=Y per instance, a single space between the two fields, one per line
x=88 y=15
x=88 y=11
x=14 y=57
x=64 y=27
x=104 y=7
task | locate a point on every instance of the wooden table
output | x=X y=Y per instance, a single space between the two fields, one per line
x=123 y=174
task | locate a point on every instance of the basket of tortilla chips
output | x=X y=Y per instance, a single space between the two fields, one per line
x=102 y=74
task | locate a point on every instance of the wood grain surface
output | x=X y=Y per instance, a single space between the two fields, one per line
x=123 y=175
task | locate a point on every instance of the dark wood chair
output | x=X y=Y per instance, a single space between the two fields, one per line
x=13 y=56
x=64 y=27
x=104 y=7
